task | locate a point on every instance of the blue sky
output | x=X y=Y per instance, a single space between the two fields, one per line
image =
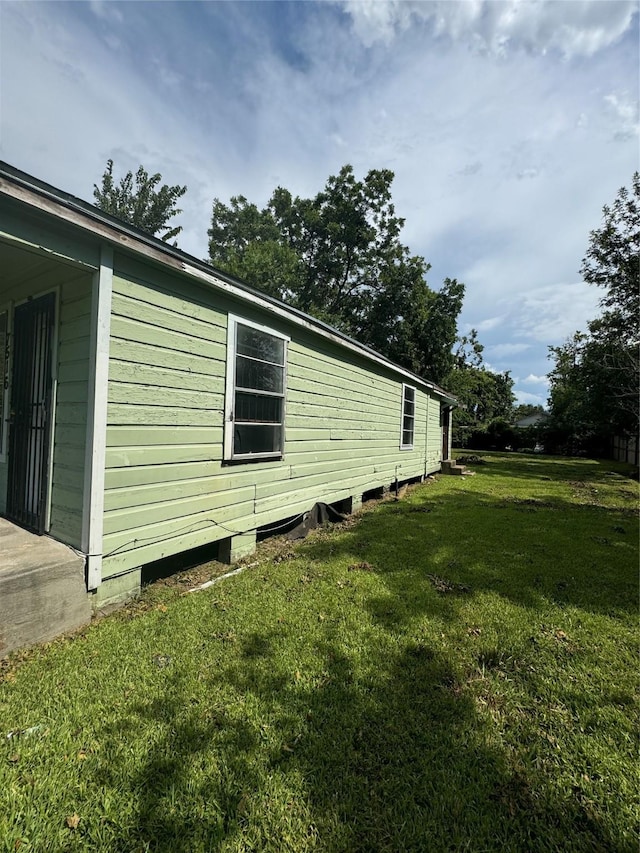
x=508 y=126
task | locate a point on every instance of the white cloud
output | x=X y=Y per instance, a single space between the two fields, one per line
x=623 y=110
x=106 y=11
x=500 y=181
x=532 y=379
x=524 y=397
x=551 y=314
x=502 y=350
x=573 y=28
x=488 y=324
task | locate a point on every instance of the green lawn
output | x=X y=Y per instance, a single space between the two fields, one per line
x=456 y=671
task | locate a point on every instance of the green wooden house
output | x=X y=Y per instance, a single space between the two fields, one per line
x=151 y=404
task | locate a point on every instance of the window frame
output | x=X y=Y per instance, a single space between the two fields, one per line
x=412 y=415
x=233 y=321
x=5 y=382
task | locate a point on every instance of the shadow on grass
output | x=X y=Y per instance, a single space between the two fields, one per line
x=537 y=467
x=530 y=551
x=394 y=756
x=395 y=761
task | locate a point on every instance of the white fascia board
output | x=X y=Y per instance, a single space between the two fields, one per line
x=96 y=442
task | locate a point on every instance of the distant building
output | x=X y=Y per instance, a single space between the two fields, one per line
x=532 y=420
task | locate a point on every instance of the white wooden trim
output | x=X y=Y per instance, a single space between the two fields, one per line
x=230 y=385
x=415 y=406
x=54 y=399
x=7 y=308
x=96 y=442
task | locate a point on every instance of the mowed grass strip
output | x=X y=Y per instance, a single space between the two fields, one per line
x=454 y=671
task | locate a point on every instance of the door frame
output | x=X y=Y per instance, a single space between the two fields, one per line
x=55 y=290
x=5 y=392
x=445 y=435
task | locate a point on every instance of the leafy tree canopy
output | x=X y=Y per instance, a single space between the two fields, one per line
x=338 y=256
x=595 y=379
x=525 y=410
x=612 y=262
x=485 y=398
x=145 y=205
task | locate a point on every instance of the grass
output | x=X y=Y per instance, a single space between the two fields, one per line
x=455 y=671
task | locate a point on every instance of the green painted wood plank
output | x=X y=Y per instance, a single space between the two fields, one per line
x=154 y=315
x=130 y=415
x=119 y=457
x=271 y=510
x=309 y=434
x=138 y=437
x=297 y=450
x=326 y=376
x=224 y=518
x=324 y=481
x=66 y=526
x=77 y=287
x=74 y=329
x=75 y=309
x=72 y=392
x=69 y=477
x=164 y=299
x=72 y=456
x=336 y=365
x=363 y=434
x=335 y=466
x=164 y=377
x=119 y=520
x=71 y=351
x=71 y=413
x=315 y=406
x=127 y=393
x=69 y=435
x=220 y=476
x=73 y=371
x=223 y=482
x=134 y=330
x=149 y=354
x=166 y=546
x=68 y=498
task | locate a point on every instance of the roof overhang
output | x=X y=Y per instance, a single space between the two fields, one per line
x=91 y=220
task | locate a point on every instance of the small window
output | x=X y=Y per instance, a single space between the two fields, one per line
x=4 y=379
x=256 y=382
x=408 y=417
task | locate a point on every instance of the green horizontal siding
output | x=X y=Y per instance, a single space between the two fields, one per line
x=30 y=275
x=166 y=487
x=67 y=486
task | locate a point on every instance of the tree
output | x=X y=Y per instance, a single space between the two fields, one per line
x=338 y=256
x=485 y=398
x=144 y=206
x=595 y=380
x=525 y=410
x=612 y=261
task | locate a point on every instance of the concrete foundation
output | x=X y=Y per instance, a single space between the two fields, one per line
x=113 y=592
x=42 y=589
x=234 y=548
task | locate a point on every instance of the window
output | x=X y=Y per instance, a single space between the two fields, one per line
x=408 y=417
x=4 y=378
x=256 y=382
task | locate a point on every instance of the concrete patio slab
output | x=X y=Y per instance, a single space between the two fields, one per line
x=42 y=589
